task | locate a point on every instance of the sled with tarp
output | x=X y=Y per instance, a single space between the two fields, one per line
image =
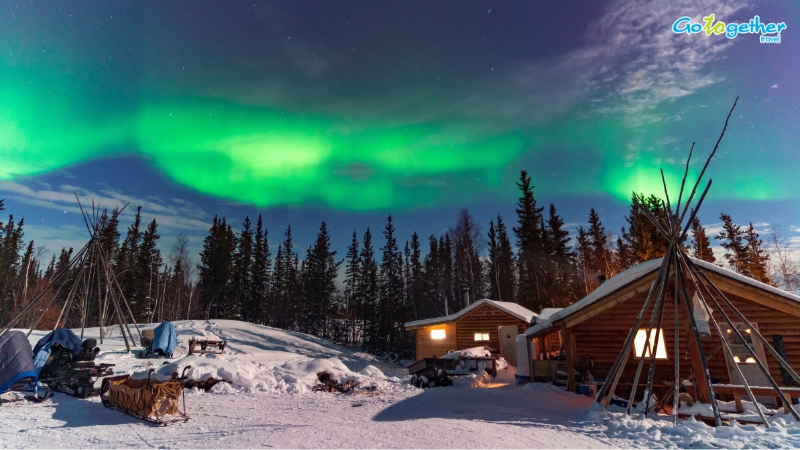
x=17 y=371
x=160 y=342
x=147 y=399
x=66 y=364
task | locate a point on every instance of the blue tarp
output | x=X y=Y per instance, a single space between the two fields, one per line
x=62 y=336
x=165 y=338
x=40 y=358
x=16 y=359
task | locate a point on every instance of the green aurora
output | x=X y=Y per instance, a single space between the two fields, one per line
x=267 y=157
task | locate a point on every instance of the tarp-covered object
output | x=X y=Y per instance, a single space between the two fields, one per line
x=165 y=339
x=16 y=359
x=63 y=337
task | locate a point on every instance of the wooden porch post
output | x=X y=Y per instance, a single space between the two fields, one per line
x=697 y=368
x=569 y=347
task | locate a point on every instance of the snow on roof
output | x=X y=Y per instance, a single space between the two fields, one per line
x=639 y=271
x=512 y=309
x=546 y=313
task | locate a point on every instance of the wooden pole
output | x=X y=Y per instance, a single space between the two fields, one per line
x=725 y=347
x=786 y=403
x=699 y=347
x=652 y=367
x=659 y=302
x=622 y=359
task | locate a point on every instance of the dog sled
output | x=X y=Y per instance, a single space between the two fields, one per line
x=147 y=399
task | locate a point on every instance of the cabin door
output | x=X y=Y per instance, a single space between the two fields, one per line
x=508 y=343
x=746 y=363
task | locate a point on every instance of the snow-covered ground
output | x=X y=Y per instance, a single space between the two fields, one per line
x=271 y=404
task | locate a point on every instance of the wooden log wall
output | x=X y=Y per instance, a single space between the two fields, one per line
x=433 y=348
x=602 y=336
x=485 y=319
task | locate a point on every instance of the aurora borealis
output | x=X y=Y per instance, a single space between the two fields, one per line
x=366 y=108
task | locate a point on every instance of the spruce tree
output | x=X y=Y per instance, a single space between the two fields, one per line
x=642 y=239
x=390 y=291
x=352 y=276
x=702 y=246
x=242 y=282
x=319 y=283
x=493 y=269
x=11 y=243
x=732 y=240
x=147 y=265
x=285 y=284
x=262 y=265
x=416 y=283
x=529 y=244
x=216 y=270
x=449 y=287
x=506 y=270
x=367 y=293
x=757 y=256
x=601 y=259
x=557 y=264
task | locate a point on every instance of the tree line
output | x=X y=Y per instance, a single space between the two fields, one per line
x=364 y=297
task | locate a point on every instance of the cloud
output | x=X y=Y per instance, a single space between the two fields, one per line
x=175 y=215
x=774 y=86
x=633 y=64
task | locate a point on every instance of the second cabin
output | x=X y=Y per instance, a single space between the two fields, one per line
x=484 y=323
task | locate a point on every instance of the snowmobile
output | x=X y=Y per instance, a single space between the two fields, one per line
x=67 y=364
x=17 y=371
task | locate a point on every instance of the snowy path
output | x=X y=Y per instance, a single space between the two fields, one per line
x=274 y=407
x=461 y=418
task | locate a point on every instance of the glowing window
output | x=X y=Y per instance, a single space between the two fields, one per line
x=438 y=334
x=481 y=336
x=749 y=360
x=640 y=341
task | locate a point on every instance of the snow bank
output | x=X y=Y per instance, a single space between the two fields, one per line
x=658 y=431
x=294 y=377
x=244 y=374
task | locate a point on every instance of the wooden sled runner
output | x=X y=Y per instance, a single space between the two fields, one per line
x=147 y=399
x=201 y=346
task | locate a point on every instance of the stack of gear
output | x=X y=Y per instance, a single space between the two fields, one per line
x=17 y=371
x=160 y=342
x=67 y=365
x=146 y=399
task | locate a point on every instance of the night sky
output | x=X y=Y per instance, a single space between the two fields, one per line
x=346 y=112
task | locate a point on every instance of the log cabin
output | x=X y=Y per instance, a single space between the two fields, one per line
x=484 y=323
x=594 y=329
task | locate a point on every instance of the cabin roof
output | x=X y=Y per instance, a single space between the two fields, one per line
x=509 y=308
x=623 y=279
x=546 y=313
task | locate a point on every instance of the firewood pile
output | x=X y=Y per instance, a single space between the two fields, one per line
x=328 y=384
x=199 y=384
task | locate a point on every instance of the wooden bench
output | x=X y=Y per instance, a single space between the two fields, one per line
x=739 y=390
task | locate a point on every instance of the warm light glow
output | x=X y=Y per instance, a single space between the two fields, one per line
x=481 y=336
x=736 y=358
x=438 y=334
x=750 y=360
x=640 y=341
